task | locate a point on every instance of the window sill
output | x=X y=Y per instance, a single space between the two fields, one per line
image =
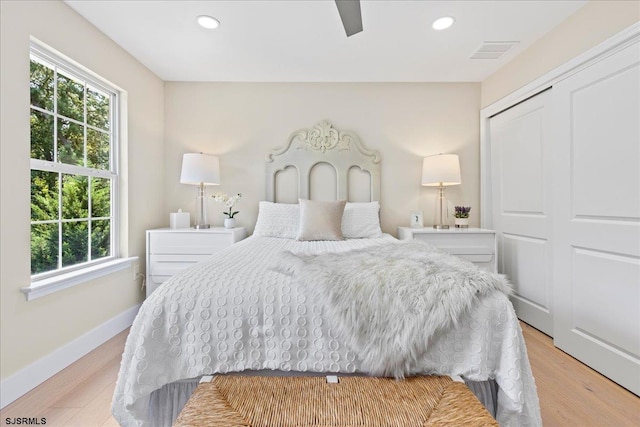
x=50 y=285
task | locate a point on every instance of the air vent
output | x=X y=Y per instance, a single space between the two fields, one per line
x=492 y=50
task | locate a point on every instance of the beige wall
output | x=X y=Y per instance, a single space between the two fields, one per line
x=590 y=25
x=241 y=122
x=31 y=330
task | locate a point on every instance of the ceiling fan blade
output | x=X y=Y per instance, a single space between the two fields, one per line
x=350 y=15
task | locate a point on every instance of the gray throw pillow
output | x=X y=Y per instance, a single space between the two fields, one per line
x=320 y=220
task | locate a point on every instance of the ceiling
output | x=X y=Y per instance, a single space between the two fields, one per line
x=304 y=41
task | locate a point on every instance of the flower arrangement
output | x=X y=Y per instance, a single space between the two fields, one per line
x=462 y=211
x=229 y=202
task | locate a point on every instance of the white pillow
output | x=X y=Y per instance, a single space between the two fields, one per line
x=361 y=221
x=320 y=220
x=277 y=220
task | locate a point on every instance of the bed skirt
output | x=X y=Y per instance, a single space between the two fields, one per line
x=166 y=403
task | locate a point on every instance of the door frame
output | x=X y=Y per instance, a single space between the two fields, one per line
x=610 y=46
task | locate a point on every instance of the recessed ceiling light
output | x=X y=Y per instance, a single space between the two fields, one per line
x=208 y=22
x=443 y=23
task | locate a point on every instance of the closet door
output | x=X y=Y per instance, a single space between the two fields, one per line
x=597 y=216
x=521 y=205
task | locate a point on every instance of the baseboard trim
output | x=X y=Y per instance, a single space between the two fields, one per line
x=28 y=378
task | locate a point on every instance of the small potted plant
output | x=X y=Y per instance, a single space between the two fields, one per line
x=229 y=202
x=462 y=216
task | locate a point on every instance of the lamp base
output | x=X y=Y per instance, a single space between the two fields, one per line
x=201 y=210
x=441 y=227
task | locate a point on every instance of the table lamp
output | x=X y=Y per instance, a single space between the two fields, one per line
x=441 y=170
x=200 y=169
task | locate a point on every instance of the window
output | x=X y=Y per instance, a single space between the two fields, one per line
x=74 y=174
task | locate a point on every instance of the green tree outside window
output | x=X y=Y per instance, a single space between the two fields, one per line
x=72 y=173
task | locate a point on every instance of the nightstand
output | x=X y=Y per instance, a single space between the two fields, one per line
x=477 y=245
x=170 y=250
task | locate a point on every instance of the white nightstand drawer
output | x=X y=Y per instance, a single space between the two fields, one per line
x=485 y=262
x=460 y=243
x=154 y=281
x=476 y=258
x=157 y=280
x=473 y=244
x=188 y=243
x=170 y=264
x=170 y=251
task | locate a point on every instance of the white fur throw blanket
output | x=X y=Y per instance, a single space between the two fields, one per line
x=388 y=301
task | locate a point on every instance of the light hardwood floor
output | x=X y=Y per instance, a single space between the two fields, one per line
x=571 y=394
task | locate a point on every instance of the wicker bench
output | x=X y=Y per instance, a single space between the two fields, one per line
x=312 y=401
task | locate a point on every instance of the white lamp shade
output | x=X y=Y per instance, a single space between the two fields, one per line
x=441 y=169
x=200 y=168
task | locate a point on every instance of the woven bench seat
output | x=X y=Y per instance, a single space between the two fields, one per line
x=312 y=402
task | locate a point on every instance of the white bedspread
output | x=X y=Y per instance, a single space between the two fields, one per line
x=235 y=313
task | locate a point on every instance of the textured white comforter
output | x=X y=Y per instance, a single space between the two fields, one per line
x=234 y=312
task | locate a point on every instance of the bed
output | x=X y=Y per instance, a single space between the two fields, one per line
x=244 y=311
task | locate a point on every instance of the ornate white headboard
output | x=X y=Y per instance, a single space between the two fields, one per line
x=322 y=144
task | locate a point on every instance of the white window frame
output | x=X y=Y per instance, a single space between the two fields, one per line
x=65 y=277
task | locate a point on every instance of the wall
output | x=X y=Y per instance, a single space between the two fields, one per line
x=31 y=330
x=241 y=122
x=590 y=25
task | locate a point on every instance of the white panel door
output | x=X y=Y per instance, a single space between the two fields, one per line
x=521 y=205
x=597 y=216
